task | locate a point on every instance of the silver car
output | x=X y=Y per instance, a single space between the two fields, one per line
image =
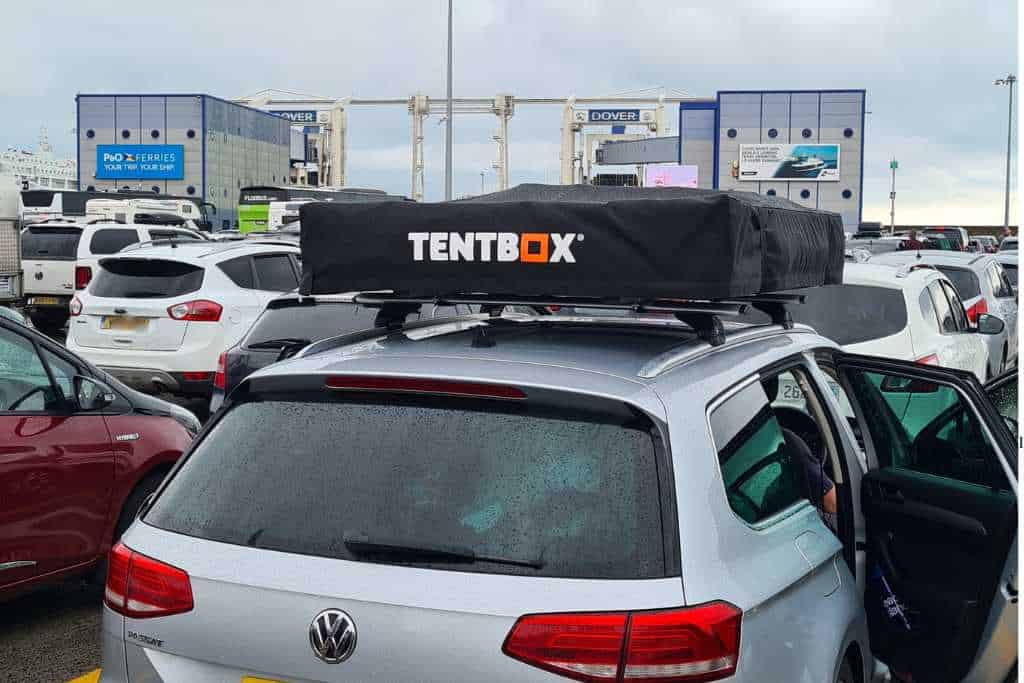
x=546 y=498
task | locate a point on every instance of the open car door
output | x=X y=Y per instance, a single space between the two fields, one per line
x=940 y=508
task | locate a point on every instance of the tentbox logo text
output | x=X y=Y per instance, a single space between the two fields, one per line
x=525 y=247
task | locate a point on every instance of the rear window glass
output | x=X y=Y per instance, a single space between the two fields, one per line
x=37 y=198
x=965 y=281
x=849 y=314
x=310 y=322
x=577 y=492
x=275 y=273
x=145 y=279
x=58 y=244
x=112 y=240
x=239 y=270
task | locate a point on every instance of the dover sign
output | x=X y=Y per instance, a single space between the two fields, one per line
x=614 y=116
x=134 y=162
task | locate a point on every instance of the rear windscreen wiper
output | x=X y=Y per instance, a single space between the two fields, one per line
x=363 y=544
x=279 y=343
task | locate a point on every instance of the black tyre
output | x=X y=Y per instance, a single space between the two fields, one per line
x=129 y=511
x=49 y=322
x=846 y=674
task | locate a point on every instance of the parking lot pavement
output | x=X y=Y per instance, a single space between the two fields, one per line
x=51 y=634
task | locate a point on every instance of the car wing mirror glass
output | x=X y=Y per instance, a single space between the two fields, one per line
x=92 y=394
x=990 y=324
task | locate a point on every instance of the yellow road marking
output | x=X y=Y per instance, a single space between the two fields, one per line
x=90 y=677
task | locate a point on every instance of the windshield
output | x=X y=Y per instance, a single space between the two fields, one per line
x=49 y=243
x=965 y=281
x=576 y=490
x=145 y=279
x=848 y=314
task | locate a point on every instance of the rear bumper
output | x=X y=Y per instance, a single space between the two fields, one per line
x=153 y=381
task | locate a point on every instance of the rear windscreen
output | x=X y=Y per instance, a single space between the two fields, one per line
x=849 y=314
x=965 y=281
x=574 y=492
x=37 y=198
x=310 y=322
x=57 y=244
x=145 y=279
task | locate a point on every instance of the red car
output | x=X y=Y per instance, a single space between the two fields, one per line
x=79 y=453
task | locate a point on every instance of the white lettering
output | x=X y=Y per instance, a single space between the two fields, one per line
x=460 y=246
x=438 y=246
x=561 y=245
x=508 y=246
x=417 y=239
x=486 y=239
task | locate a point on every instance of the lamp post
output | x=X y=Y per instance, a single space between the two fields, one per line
x=482 y=182
x=448 y=111
x=893 y=164
x=1009 y=80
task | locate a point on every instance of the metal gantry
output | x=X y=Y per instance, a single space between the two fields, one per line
x=333 y=120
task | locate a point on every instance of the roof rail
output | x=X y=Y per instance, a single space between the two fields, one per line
x=705 y=317
x=172 y=241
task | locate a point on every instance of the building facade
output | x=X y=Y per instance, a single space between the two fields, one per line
x=803 y=145
x=182 y=145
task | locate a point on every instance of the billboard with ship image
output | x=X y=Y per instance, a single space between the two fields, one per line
x=806 y=163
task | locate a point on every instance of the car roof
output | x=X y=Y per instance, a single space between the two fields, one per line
x=945 y=258
x=1005 y=257
x=199 y=251
x=886 y=275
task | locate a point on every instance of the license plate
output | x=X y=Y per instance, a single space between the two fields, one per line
x=257 y=679
x=44 y=301
x=117 y=323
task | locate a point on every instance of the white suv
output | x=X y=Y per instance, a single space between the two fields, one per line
x=102 y=238
x=158 y=316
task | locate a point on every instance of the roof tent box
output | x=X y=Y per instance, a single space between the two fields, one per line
x=579 y=241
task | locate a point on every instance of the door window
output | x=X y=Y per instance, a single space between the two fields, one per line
x=947 y=322
x=924 y=427
x=931 y=317
x=275 y=273
x=1003 y=395
x=239 y=270
x=760 y=477
x=112 y=240
x=24 y=384
x=956 y=304
x=63 y=373
x=1000 y=286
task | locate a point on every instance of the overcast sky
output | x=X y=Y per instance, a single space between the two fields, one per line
x=927 y=66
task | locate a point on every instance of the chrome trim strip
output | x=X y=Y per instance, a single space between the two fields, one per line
x=16 y=564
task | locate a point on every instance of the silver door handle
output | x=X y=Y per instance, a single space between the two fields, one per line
x=16 y=564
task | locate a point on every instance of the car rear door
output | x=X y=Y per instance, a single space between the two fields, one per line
x=48 y=260
x=56 y=465
x=127 y=305
x=1005 y=304
x=940 y=506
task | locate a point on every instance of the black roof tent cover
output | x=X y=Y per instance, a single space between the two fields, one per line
x=578 y=241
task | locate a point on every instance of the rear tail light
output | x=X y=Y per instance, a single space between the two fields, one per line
x=423 y=386
x=197 y=311
x=930 y=359
x=141 y=587
x=222 y=366
x=83 y=275
x=75 y=307
x=687 y=644
x=980 y=307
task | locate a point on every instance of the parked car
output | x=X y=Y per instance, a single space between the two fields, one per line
x=1008 y=244
x=81 y=452
x=912 y=314
x=1008 y=260
x=290 y=323
x=984 y=243
x=102 y=238
x=521 y=494
x=158 y=316
x=48 y=252
x=984 y=288
x=961 y=235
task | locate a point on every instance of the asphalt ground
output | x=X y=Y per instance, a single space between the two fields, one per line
x=53 y=634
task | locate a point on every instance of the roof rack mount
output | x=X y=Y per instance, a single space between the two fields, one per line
x=705 y=317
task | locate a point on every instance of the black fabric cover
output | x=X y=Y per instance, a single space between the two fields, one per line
x=630 y=242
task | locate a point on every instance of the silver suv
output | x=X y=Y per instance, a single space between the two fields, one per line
x=512 y=497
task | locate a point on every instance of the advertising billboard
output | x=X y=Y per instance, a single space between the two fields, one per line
x=803 y=162
x=140 y=162
x=296 y=115
x=670 y=175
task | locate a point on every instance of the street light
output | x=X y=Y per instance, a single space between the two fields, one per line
x=1009 y=80
x=448 y=112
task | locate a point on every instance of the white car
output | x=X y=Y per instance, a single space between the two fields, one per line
x=158 y=316
x=48 y=251
x=1008 y=244
x=1008 y=260
x=908 y=313
x=102 y=238
x=984 y=288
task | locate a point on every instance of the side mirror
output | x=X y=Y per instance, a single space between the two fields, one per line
x=990 y=324
x=92 y=394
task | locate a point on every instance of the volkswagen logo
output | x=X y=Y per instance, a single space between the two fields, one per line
x=332 y=635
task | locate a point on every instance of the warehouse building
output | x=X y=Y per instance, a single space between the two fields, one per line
x=182 y=145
